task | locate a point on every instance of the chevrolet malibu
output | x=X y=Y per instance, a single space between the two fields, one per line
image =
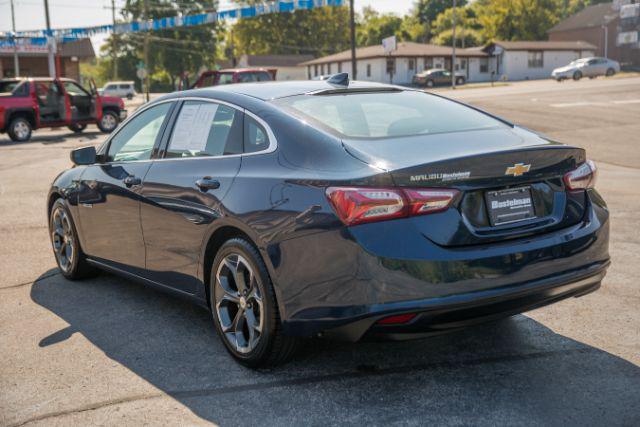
x=332 y=208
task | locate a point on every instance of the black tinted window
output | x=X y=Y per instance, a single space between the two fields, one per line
x=206 y=129
x=386 y=114
x=255 y=136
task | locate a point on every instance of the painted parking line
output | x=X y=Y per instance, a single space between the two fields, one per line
x=591 y=104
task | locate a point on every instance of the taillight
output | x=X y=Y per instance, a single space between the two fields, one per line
x=398 y=319
x=583 y=177
x=356 y=205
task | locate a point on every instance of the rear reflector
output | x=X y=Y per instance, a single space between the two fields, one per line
x=583 y=177
x=356 y=205
x=398 y=319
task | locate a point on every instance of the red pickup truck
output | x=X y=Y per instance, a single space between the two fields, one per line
x=27 y=104
x=228 y=76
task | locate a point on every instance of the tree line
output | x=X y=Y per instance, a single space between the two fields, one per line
x=316 y=32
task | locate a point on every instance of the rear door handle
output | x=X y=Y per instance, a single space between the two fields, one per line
x=207 y=183
x=131 y=180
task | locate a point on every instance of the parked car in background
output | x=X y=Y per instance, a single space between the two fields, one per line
x=586 y=67
x=341 y=209
x=228 y=76
x=436 y=77
x=119 y=89
x=31 y=103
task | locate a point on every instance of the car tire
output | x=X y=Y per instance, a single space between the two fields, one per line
x=70 y=258
x=77 y=128
x=610 y=72
x=246 y=316
x=460 y=81
x=429 y=83
x=129 y=96
x=577 y=75
x=20 y=129
x=109 y=121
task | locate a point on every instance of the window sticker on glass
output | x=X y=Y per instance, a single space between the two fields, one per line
x=192 y=127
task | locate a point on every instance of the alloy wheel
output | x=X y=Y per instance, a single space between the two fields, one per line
x=109 y=122
x=21 y=130
x=62 y=237
x=238 y=300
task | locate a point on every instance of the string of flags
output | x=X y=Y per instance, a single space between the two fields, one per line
x=38 y=39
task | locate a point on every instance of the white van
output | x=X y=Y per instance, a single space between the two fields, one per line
x=119 y=89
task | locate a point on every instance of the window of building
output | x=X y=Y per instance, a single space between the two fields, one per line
x=322 y=69
x=428 y=63
x=368 y=70
x=391 y=66
x=484 y=65
x=463 y=64
x=329 y=68
x=339 y=67
x=535 y=59
x=315 y=70
x=412 y=64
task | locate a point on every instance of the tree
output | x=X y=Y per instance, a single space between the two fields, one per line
x=467 y=28
x=428 y=10
x=516 y=19
x=319 y=31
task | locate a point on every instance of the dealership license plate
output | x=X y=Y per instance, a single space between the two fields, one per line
x=511 y=205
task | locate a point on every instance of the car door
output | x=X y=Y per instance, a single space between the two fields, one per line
x=109 y=194
x=182 y=191
x=80 y=101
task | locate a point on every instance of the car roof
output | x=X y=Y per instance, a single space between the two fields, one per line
x=283 y=89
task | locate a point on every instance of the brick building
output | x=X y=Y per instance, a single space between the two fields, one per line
x=35 y=64
x=598 y=25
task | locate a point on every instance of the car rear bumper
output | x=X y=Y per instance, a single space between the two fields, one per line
x=340 y=283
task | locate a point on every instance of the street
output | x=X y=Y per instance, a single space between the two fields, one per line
x=109 y=351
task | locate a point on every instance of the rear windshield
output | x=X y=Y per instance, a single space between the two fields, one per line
x=8 y=86
x=386 y=114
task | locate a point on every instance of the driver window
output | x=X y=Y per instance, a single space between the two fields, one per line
x=74 y=90
x=136 y=139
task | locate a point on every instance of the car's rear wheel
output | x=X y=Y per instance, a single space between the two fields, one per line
x=610 y=72
x=20 y=129
x=66 y=245
x=577 y=75
x=460 y=80
x=429 y=83
x=244 y=307
x=77 y=128
x=129 y=96
x=109 y=121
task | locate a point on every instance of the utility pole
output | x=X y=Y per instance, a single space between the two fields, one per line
x=114 y=56
x=453 y=52
x=352 y=23
x=50 y=42
x=16 y=62
x=146 y=51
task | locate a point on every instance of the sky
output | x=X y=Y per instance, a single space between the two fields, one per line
x=81 y=13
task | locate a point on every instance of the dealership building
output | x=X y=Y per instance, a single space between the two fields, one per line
x=495 y=61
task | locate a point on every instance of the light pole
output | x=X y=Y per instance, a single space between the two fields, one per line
x=50 y=42
x=352 y=24
x=453 y=52
x=114 y=56
x=16 y=61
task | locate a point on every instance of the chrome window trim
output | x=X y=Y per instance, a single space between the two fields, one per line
x=273 y=142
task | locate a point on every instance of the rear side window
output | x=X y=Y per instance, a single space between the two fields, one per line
x=255 y=136
x=206 y=129
x=125 y=86
x=386 y=114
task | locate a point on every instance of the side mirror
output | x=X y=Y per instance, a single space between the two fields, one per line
x=84 y=156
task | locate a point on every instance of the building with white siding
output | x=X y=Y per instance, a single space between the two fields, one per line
x=496 y=61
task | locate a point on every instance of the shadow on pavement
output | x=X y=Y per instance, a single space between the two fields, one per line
x=513 y=372
x=49 y=138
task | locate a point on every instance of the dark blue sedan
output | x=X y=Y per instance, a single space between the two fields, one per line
x=332 y=208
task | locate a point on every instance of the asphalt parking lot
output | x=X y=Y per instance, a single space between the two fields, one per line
x=112 y=352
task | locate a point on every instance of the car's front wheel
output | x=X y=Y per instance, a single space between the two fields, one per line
x=610 y=72
x=430 y=83
x=244 y=307
x=577 y=75
x=66 y=245
x=109 y=121
x=19 y=129
x=460 y=81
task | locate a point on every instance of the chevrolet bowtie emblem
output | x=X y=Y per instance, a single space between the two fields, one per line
x=517 y=169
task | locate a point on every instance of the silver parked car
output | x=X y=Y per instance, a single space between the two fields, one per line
x=586 y=67
x=119 y=89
